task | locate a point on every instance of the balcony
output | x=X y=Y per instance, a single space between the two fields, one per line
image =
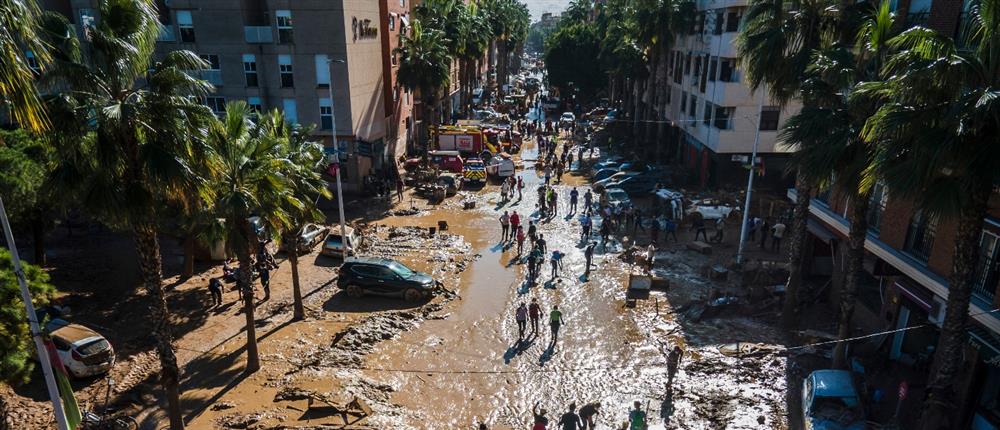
x=258 y=34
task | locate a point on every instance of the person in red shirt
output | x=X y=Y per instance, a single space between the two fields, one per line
x=515 y=221
x=534 y=313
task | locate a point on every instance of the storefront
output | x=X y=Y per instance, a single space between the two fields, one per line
x=914 y=347
x=986 y=383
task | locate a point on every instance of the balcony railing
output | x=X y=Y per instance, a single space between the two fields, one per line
x=258 y=34
x=986 y=281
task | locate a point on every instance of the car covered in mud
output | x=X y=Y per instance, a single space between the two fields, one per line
x=309 y=236
x=382 y=276
x=334 y=246
x=831 y=402
x=83 y=351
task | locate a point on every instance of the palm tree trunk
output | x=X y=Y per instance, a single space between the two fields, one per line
x=147 y=248
x=188 y=256
x=244 y=281
x=855 y=262
x=298 y=310
x=636 y=108
x=798 y=236
x=949 y=355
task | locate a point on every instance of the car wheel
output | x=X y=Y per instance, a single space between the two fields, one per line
x=412 y=295
x=354 y=291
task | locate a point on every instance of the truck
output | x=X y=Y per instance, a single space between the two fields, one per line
x=467 y=139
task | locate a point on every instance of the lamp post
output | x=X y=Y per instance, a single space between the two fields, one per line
x=340 y=190
x=753 y=161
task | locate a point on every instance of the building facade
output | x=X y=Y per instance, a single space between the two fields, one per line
x=908 y=260
x=714 y=113
x=285 y=55
x=396 y=16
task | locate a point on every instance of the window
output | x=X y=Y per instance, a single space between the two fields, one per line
x=876 y=206
x=32 y=62
x=392 y=22
x=322 y=71
x=325 y=114
x=250 y=70
x=684 y=101
x=285 y=69
x=726 y=70
x=693 y=108
x=284 y=19
x=987 y=269
x=720 y=15
x=707 y=114
x=216 y=104
x=712 y=67
x=288 y=105
x=213 y=73
x=920 y=236
x=395 y=59
x=769 y=118
x=724 y=117
x=918 y=13
x=697 y=66
x=395 y=94
x=687 y=64
x=733 y=21
x=166 y=23
x=255 y=105
x=185 y=24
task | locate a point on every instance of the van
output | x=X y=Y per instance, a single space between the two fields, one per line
x=333 y=245
x=501 y=166
x=450 y=161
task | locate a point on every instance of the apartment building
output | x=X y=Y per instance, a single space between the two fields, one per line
x=399 y=119
x=713 y=111
x=286 y=55
x=908 y=259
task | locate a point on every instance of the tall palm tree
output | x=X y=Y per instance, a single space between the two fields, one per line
x=128 y=122
x=826 y=135
x=251 y=168
x=474 y=45
x=18 y=36
x=937 y=144
x=775 y=47
x=424 y=67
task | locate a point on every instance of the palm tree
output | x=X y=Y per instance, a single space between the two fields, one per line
x=826 y=134
x=19 y=36
x=251 y=170
x=129 y=123
x=775 y=47
x=937 y=144
x=474 y=45
x=424 y=67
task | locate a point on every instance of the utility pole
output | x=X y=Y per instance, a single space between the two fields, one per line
x=753 y=162
x=36 y=331
x=340 y=190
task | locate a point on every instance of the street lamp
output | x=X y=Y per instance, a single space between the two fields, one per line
x=746 y=204
x=340 y=191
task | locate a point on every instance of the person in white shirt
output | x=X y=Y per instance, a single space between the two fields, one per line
x=777 y=233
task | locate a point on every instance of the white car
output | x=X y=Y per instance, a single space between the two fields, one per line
x=333 y=246
x=82 y=351
x=567 y=119
x=616 y=197
x=501 y=167
x=710 y=209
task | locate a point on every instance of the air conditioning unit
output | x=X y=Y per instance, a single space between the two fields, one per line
x=936 y=314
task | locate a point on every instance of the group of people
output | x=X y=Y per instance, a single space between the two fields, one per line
x=776 y=229
x=263 y=264
x=509 y=186
x=533 y=313
x=583 y=418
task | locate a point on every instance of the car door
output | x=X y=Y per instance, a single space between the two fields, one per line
x=386 y=281
x=364 y=276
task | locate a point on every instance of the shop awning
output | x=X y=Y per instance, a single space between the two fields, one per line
x=987 y=343
x=820 y=231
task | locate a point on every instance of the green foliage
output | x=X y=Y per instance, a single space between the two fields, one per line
x=25 y=160
x=16 y=344
x=18 y=35
x=566 y=61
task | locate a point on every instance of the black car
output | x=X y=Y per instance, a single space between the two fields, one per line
x=639 y=184
x=382 y=276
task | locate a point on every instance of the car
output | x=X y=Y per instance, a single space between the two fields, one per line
x=333 y=246
x=607 y=165
x=501 y=166
x=830 y=401
x=383 y=276
x=567 y=119
x=475 y=171
x=310 y=235
x=635 y=166
x=451 y=183
x=638 y=184
x=710 y=209
x=614 y=179
x=616 y=197
x=83 y=351
x=603 y=174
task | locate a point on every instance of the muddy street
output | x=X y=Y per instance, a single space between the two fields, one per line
x=469 y=366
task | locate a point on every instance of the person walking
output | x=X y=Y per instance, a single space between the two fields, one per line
x=605 y=231
x=637 y=417
x=573 y=194
x=720 y=228
x=521 y=317
x=399 y=189
x=587 y=413
x=548 y=173
x=654 y=232
x=588 y=254
x=673 y=362
x=520 y=188
x=540 y=420
x=540 y=243
x=215 y=287
x=777 y=233
x=535 y=314
x=752 y=225
x=515 y=223
x=532 y=231
x=556 y=262
x=588 y=200
x=585 y=225
x=698 y=224
x=265 y=280
x=520 y=239
x=637 y=221
x=504 y=226
x=570 y=420
x=555 y=321
x=670 y=228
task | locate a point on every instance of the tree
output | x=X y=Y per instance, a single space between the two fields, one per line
x=19 y=36
x=252 y=170
x=424 y=67
x=565 y=64
x=826 y=135
x=775 y=46
x=936 y=144
x=129 y=125
x=26 y=164
x=16 y=344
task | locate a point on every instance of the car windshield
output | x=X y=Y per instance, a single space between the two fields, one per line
x=401 y=270
x=93 y=347
x=843 y=410
x=334 y=240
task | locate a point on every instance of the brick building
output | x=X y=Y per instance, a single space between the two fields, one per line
x=908 y=260
x=396 y=15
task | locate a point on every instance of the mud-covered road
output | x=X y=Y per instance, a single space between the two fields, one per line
x=468 y=366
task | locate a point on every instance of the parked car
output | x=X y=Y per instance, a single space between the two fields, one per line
x=567 y=119
x=333 y=246
x=382 y=276
x=607 y=165
x=603 y=174
x=611 y=116
x=615 y=197
x=638 y=184
x=831 y=402
x=451 y=183
x=310 y=235
x=617 y=177
x=83 y=351
x=501 y=166
x=635 y=166
x=475 y=171
x=710 y=209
